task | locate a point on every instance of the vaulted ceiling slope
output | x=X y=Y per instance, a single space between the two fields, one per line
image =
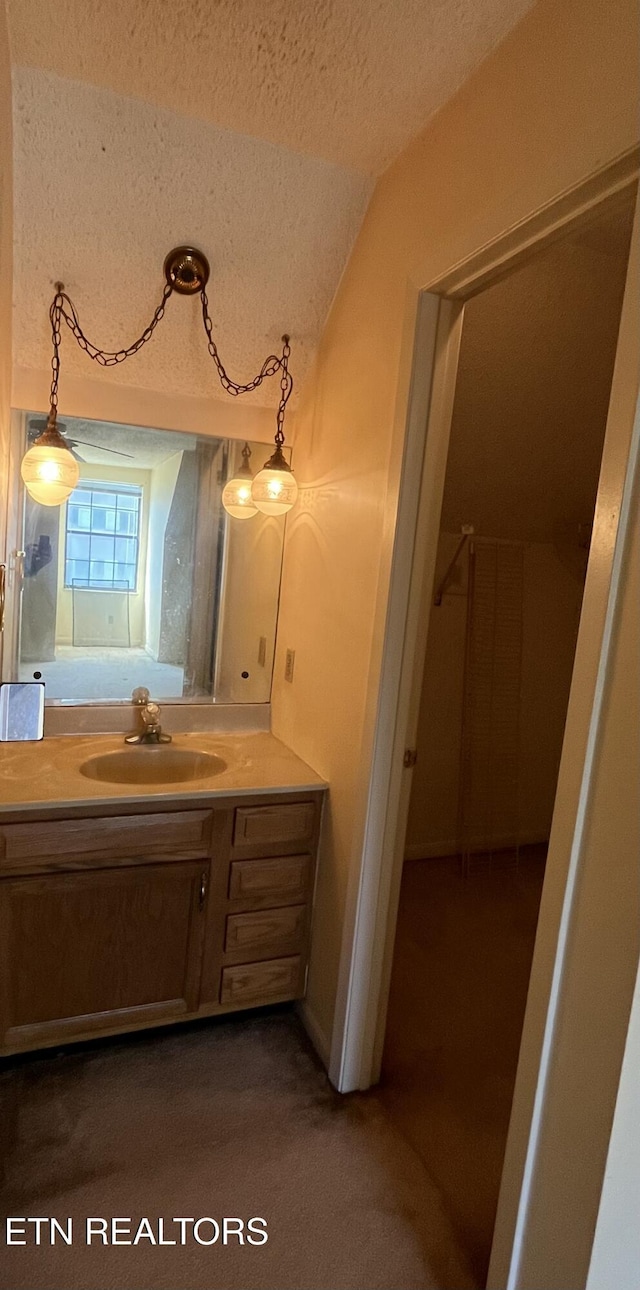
x=251 y=130
x=105 y=185
x=351 y=81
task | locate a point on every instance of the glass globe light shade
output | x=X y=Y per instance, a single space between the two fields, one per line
x=49 y=470
x=236 y=497
x=274 y=489
x=236 y=494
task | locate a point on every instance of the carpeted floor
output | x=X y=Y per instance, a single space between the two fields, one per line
x=459 y=986
x=235 y=1119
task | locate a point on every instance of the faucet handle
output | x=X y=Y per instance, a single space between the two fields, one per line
x=140 y=695
x=151 y=714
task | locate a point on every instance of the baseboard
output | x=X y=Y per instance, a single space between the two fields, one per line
x=450 y=847
x=320 y=1041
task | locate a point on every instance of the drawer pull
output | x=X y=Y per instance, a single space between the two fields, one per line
x=204 y=876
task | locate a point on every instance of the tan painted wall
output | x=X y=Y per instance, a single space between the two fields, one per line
x=551 y=609
x=550 y=106
x=64 y=614
x=6 y=263
x=83 y=396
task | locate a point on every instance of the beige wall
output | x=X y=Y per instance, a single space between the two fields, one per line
x=64 y=610
x=6 y=263
x=97 y=400
x=555 y=102
x=552 y=597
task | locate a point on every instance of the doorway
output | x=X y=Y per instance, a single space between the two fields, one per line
x=529 y=415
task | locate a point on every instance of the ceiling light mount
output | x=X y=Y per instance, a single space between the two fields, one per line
x=186 y=270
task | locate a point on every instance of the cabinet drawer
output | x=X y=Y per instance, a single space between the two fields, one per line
x=176 y=833
x=272 y=825
x=257 y=983
x=266 y=931
x=282 y=878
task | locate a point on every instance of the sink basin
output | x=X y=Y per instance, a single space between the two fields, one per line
x=153 y=764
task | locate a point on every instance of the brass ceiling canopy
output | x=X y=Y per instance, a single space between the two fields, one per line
x=186 y=270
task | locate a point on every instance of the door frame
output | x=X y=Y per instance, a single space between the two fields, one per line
x=370 y=932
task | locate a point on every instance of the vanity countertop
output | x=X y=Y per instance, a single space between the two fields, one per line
x=36 y=775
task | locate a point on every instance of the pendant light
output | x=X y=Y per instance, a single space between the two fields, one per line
x=49 y=469
x=236 y=494
x=274 y=489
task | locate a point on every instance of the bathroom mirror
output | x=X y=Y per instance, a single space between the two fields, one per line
x=141 y=577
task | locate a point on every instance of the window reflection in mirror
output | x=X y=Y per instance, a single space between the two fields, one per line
x=141 y=578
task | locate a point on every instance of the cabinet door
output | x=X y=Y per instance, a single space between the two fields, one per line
x=98 y=950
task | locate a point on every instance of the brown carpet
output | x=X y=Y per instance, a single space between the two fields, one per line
x=459 y=986
x=234 y=1118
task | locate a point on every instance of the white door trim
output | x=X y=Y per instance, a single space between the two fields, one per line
x=370 y=927
x=568 y=911
x=433 y=381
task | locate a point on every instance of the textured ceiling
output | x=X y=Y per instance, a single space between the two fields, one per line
x=105 y=185
x=531 y=402
x=250 y=130
x=348 y=80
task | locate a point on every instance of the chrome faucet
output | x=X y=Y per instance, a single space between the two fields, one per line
x=151 y=732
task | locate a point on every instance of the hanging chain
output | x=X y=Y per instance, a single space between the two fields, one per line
x=286 y=386
x=271 y=365
x=54 y=317
x=62 y=307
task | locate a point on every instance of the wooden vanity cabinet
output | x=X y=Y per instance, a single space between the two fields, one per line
x=113 y=923
x=100 y=947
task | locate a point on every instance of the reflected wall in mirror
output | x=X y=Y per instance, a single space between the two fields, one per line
x=141 y=577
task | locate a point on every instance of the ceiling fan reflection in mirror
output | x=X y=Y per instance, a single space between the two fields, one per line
x=38 y=425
